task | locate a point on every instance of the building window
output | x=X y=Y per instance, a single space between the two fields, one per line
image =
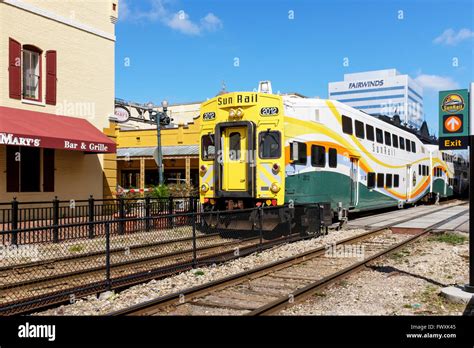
x=359 y=128
x=395 y=140
x=396 y=180
x=388 y=179
x=347 y=125
x=332 y=158
x=380 y=180
x=379 y=135
x=408 y=145
x=370 y=180
x=402 y=143
x=370 y=132
x=269 y=145
x=24 y=169
x=388 y=139
x=31 y=70
x=130 y=179
x=318 y=156
x=208 y=147
x=413 y=147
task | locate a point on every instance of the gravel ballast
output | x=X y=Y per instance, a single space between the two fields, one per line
x=157 y=288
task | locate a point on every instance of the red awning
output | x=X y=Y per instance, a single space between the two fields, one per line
x=37 y=129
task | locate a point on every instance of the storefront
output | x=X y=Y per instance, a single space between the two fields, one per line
x=44 y=155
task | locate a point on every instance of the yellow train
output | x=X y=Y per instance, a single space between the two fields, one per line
x=262 y=149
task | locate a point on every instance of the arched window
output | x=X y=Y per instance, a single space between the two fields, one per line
x=32 y=72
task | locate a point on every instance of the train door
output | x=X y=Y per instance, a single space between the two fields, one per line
x=354 y=174
x=408 y=181
x=234 y=145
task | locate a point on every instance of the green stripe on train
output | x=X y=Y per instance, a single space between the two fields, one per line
x=332 y=187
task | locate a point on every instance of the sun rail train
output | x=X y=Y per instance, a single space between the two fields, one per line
x=261 y=149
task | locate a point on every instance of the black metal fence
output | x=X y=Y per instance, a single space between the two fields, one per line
x=34 y=275
x=58 y=220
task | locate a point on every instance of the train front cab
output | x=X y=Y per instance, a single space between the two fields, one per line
x=241 y=152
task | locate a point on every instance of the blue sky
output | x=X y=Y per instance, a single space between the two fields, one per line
x=182 y=50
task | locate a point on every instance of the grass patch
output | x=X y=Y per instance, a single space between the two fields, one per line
x=198 y=273
x=399 y=254
x=76 y=248
x=449 y=238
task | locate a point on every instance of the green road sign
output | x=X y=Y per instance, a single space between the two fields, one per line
x=453 y=119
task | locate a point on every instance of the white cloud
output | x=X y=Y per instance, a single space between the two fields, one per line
x=211 y=22
x=451 y=38
x=436 y=83
x=179 y=21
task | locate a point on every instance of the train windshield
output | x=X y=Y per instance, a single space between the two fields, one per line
x=208 y=147
x=269 y=145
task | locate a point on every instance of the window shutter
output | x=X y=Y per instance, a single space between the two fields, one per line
x=51 y=77
x=14 y=69
x=48 y=170
x=13 y=169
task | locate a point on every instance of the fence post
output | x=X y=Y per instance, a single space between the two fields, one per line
x=170 y=210
x=121 y=225
x=147 y=213
x=107 y=255
x=14 y=220
x=194 y=240
x=91 y=217
x=55 y=219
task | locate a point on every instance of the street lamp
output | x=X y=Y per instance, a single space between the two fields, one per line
x=160 y=118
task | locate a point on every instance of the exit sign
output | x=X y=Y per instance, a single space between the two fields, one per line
x=454 y=119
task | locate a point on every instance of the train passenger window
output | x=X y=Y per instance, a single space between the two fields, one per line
x=388 y=181
x=332 y=158
x=269 y=144
x=380 y=180
x=408 y=145
x=359 y=127
x=402 y=143
x=396 y=180
x=379 y=135
x=370 y=180
x=370 y=132
x=413 y=147
x=298 y=152
x=395 y=140
x=208 y=147
x=234 y=146
x=419 y=170
x=347 y=125
x=318 y=156
x=388 y=139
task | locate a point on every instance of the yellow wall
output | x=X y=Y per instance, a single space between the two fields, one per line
x=182 y=135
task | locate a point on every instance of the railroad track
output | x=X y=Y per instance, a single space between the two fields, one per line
x=81 y=280
x=270 y=288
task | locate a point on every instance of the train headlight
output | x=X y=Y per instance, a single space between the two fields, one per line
x=232 y=113
x=275 y=187
x=204 y=188
x=239 y=113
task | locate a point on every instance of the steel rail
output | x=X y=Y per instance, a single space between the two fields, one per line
x=150 y=307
